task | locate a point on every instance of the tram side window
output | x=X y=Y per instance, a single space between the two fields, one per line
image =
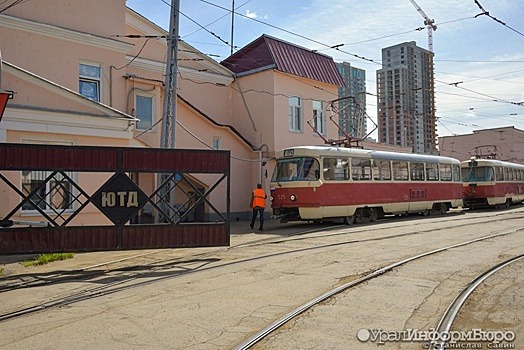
x=456 y=173
x=513 y=174
x=400 y=170
x=361 y=169
x=417 y=171
x=445 y=172
x=381 y=169
x=506 y=174
x=432 y=172
x=336 y=169
x=500 y=173
x=308 y=170
x=519 y=175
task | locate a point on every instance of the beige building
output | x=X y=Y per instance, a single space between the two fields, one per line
x=88 y=83
x=505 y=143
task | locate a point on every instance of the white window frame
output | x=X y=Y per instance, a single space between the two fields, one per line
x=140 y=124
x=40 y=176
x=295 y=113
x=319 y=117
x=86 y=77
x=44 y=175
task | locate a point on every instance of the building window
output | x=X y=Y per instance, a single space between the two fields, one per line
x=217 y=143
x=89 y=81
x=55 y=196
x=295 y=114
x=319 y=118
x=144 y=112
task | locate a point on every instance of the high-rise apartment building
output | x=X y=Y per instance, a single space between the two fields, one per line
x=406 y=98
x=352 y=103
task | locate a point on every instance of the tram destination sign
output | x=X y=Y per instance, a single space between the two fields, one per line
x=119 y=199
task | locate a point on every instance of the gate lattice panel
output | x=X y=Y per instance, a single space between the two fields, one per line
x=58 y=198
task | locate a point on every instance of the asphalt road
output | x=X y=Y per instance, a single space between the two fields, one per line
x=214 y=298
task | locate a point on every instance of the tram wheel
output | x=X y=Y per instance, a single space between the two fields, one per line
x=350 y=220
x=373 y=214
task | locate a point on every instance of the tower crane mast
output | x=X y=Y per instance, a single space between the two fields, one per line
x=429 y=23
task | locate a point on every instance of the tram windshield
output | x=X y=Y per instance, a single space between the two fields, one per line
x=478 y=174
x=296 y=169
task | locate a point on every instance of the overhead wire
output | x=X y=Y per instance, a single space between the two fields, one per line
x=337 y=47
x=218 y=19
x=290 y=32
x=16 y=2
x=486 y=13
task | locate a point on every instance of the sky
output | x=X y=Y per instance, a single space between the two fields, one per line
x=479 y=53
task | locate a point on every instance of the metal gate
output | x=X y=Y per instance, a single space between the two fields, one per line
x=71 y=189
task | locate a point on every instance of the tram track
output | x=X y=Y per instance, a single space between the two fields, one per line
x=90 y=272
x=122 y=279
x=445 y=323
x=49 y=279
x=270 y=329
x=94 y=270
x=225 y=305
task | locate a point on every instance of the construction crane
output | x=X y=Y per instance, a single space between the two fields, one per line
x=429 y=23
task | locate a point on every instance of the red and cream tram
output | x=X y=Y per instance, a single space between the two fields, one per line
x=489 y=182
x=320 y=182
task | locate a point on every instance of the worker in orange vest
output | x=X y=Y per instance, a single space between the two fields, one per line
x=258 y=203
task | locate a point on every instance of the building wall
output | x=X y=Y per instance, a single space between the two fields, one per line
x=53 y=49
x=406 y=104
x=506 y=143
x=98 y=17
x=352 y=106
x=263 y=115
x=55 y=52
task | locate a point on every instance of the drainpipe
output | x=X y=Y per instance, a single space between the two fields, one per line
x=261 y=162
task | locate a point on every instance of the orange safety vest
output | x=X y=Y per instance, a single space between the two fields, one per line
x=259 y=198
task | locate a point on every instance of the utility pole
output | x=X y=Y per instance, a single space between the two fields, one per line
x=170 y=95
x=169 y=109
x=232 y=24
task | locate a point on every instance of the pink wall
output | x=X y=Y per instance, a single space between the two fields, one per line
x=99 y=17
x=507 y=144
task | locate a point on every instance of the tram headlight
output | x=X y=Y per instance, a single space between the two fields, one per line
x=271 y=198
x=293 y=197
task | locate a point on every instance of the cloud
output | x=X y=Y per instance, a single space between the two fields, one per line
x=254 y=15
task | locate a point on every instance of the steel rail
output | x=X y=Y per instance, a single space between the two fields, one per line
x=257 y=337
x=453 y=309
x=50 y=279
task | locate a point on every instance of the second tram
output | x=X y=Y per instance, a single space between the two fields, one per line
x=315 y=183
x=489 y=182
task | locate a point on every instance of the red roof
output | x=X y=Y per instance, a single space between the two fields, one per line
x=267 y=52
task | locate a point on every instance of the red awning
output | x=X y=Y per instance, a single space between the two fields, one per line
x=4 y=96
